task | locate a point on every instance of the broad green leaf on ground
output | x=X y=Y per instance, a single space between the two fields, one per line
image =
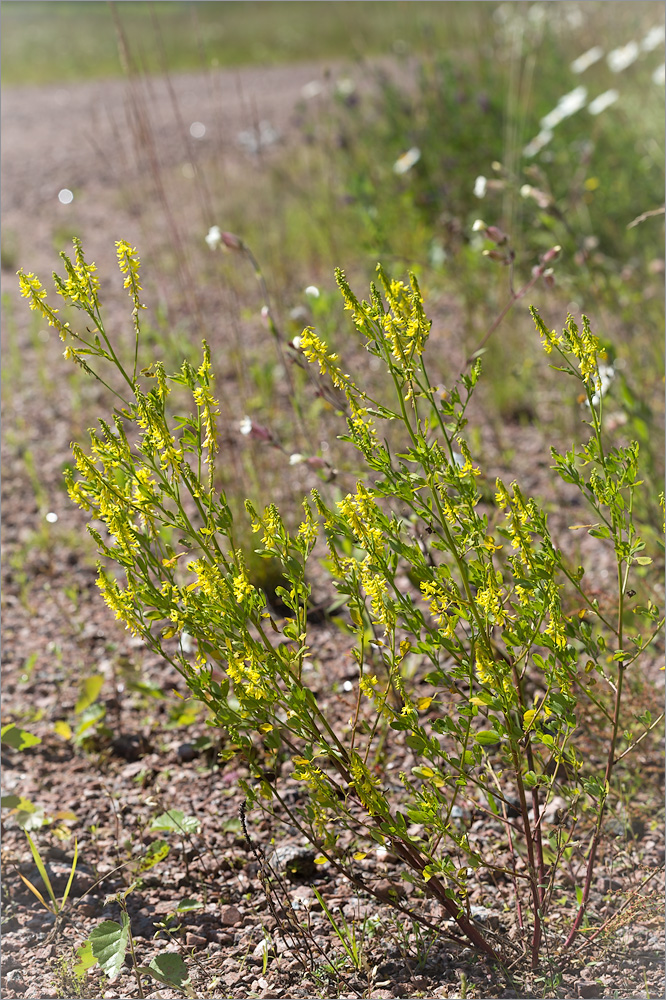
x=177 y=821
x=168 y=969
x=17 y=738
x=90 y=690
x=86 y=960
x=156 y=852
x=109 y=944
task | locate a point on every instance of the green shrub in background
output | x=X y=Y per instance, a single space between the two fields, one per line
x=478 y=666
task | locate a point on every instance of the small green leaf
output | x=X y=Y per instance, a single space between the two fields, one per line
x=156 y=852
x=486 y=737
x=176 y=821
x=188 y=904
x=643 y=560
x=90 y=690
x=86 y=960
x=109 y=942
x=168 y=969
x=17 y=738
x=13 y=801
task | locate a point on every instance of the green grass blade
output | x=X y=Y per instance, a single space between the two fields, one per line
x=42 y=871
x=71 y=874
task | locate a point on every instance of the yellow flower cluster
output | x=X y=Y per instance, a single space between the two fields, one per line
x=209 y=580
x=247 y=678
x=242 y=587
x=33 y=290
x=439 y=605
x=307 y=529
x=152 y=422
x=374 y=584
x=121 y=602
x=203 y=397
x=129 y=263
x=315 y=350
x=405 y=326
x=81 y=284
x=584 y=346
x=519 y=514
x=489 y=599
x=362 y=514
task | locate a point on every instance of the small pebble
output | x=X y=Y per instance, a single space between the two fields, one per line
x=187 y=752
x=230 y=916
x=195 y=941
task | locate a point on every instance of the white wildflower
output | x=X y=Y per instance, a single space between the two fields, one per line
x=480 y=185
x=567 y=105
x=619 y=59
x=214 y=237
x=602 y=383
x=345 y=87
x=538 y=142
x=296 y=458
x=51 y=517
x=653 y=39
x=312 y=291
x=602 y=102
x=587 y=59
x=407 y=160
x=245 y=426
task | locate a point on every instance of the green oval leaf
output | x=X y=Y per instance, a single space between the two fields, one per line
x=109 y=944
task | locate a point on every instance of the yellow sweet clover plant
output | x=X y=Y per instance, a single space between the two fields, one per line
x=495 y=714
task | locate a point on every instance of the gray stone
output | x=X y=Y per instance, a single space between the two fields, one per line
x=293 y=862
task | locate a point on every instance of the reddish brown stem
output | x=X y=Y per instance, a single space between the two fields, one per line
x=602 y=809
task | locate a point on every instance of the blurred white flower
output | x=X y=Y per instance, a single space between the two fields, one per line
x=659 y=75
x=602 y=102
x=197 y=130
x=65 y=197
x=347 y=686
x=479 y=226
x=312 y=291
x=653 y=39
x=214 y=237
x=620 y=58
x=296 y=343
x=345 y=87
x=538 y=142
x=480 y=185
x=51 y=517
x=567 y=105
x=407 y=160
x=587 y=59
x=186 y=642
x=254 y=139
x=296 y=458
x=311 y=89
x=245 y=426
x=606 y=376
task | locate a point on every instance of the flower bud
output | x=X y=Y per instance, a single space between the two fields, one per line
x=231 y=241
x=495 y=234
x=495 y=255
x=551 y=255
